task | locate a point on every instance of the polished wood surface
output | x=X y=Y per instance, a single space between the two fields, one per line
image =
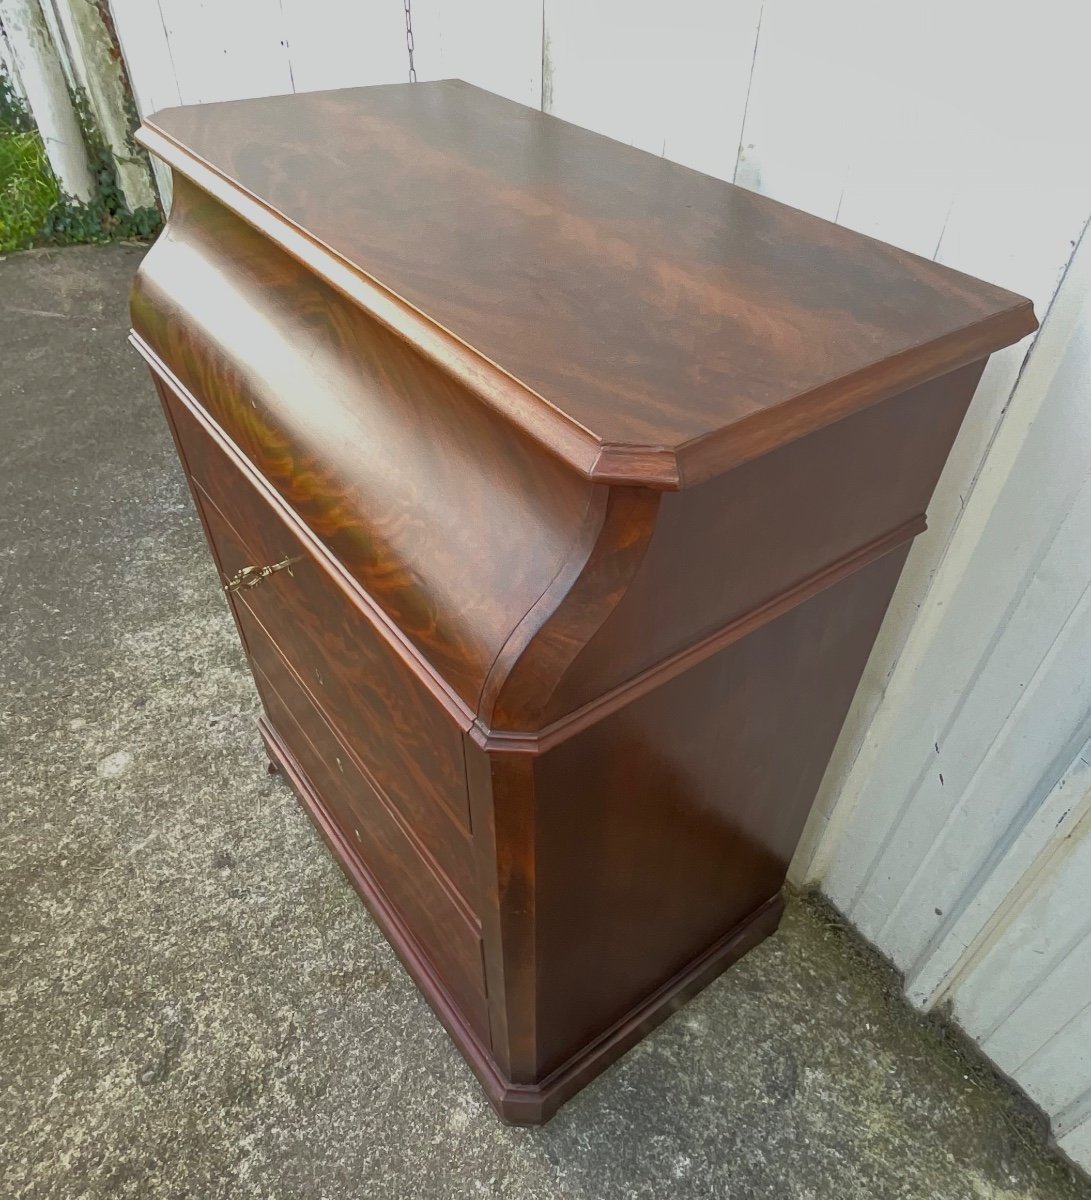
x=448 y=936
x=440 y=476
x=673 y=819
x=663 y=312
x=593 y=478
x=345 y=660
x=815 y=501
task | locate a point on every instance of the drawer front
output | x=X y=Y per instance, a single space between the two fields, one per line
x=445 y=849
x=408 y=740
x=448 y=939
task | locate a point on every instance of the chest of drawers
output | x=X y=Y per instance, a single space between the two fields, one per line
x=558 y=493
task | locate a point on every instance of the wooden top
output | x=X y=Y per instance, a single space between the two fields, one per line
x=648 y=323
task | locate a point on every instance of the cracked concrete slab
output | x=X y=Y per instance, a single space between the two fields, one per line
x=193 y=1003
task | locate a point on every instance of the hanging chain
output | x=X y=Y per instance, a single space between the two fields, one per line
x=409 y=38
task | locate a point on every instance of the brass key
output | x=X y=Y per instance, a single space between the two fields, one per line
x=248 y=577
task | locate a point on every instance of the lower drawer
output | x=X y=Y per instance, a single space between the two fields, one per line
x=447 y=936
x=380 y=742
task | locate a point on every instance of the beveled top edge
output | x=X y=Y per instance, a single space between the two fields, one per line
x=534 y=414
x=704 y=458
x=655 y=466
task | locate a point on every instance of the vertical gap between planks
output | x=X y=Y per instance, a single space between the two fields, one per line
x=170 y=50
x=1073 y=1115
x=1046 y=863
x=1055 y=1035
x=943 y=228
x=286 y=44
x=1005 y=910
x=749 y=88
x=952 y=537
x=546 y=101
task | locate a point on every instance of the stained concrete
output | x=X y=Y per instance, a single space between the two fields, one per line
x=194 y=1004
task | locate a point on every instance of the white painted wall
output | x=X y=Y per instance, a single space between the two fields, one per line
x=960 y=842
x=52 y=51
x=953 y=128
x=88 y=56
x=34 y=62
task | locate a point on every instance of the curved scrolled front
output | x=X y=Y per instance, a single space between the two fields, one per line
x=466 y=534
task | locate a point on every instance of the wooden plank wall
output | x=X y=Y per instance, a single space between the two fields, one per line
x=960 y=842
x=953 y=128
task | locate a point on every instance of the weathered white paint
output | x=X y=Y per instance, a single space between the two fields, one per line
x=1057 y=345
x=903 y=122
x=962 y=840
x=149 y=64
x=43 y=83
x=1039 y=1031
x=223 y=50
x=72 y=53
x=87 y=53
x=8 y=67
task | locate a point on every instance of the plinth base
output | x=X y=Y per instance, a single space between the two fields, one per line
x=519 y=1103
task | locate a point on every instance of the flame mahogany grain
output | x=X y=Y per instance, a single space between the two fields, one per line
x=596 y=476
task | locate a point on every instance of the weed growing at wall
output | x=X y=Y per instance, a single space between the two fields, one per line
x=28 y=192
x=34 y=212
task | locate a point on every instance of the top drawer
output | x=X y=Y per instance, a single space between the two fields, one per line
x=410 y=741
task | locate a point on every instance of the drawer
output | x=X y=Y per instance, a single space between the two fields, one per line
x=446 y=936
x=442 y=840
x=409 y=741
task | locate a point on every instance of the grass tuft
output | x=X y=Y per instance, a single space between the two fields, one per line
x=28 y=189
x=34 y=211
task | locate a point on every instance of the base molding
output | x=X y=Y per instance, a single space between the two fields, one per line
x=533 y=1105
x=518 y=1104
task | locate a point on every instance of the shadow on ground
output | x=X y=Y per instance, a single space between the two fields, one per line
x=194 y=1004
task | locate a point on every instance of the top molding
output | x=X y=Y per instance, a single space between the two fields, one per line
x=647 y=324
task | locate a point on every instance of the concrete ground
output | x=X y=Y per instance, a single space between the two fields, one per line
x=193 y=1003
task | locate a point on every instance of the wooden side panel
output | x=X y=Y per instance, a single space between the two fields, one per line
x=539 y=653
x=503 y=804
x=722 y=549
x=662 y=827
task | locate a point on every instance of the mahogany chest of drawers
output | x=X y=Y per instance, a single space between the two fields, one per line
x=558 y=493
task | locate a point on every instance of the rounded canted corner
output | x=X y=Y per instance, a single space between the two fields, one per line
x=601 y=563
x=655 y=467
